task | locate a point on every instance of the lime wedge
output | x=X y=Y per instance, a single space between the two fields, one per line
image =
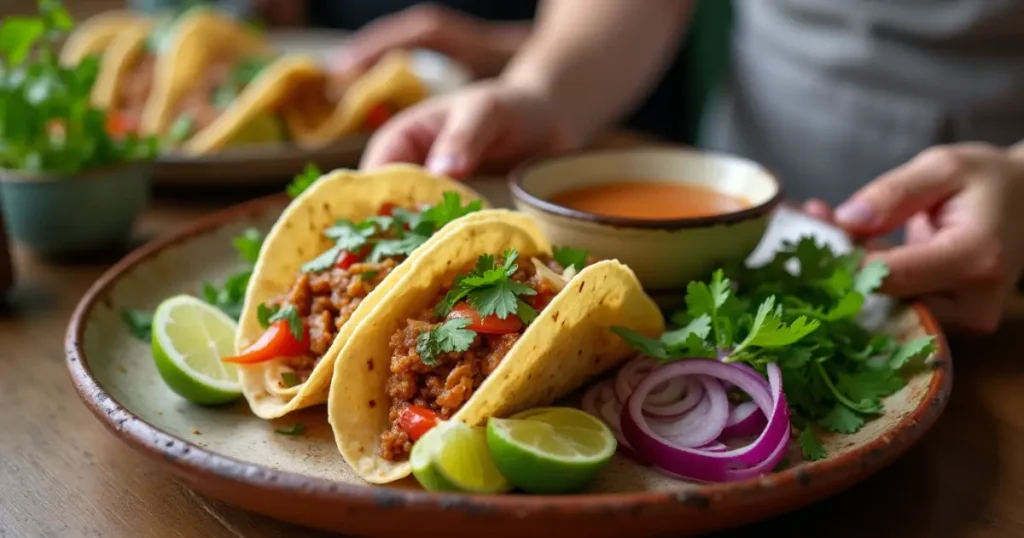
x=550 y=449
x=454 y=457
x=189 y=339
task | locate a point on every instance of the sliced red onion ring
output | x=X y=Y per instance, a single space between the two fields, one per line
x=760 y=456
x=744 y=419
x=703 y=424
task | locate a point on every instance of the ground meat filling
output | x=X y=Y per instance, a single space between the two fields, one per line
x=325 y=300
x=133 y=93
x=446 y=387
x=198 y=103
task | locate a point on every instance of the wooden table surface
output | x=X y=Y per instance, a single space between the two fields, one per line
x=63 y=474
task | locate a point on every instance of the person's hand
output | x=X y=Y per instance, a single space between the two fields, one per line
x=964 y=248
x=486 y=123
x=483 y=47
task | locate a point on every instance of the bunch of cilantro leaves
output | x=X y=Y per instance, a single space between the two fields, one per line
x=47 y=121
x=800 y=310
x=490 y=290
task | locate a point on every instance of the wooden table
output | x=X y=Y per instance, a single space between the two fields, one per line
x=63 y=474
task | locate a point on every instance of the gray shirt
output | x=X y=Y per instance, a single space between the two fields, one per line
x=830 y=94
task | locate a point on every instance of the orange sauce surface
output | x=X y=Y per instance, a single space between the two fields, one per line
x=653 y=200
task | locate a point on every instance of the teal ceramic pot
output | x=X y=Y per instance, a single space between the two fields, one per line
x=86 y=212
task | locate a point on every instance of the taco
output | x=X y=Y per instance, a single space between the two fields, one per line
x=333 y=255
x=321 y=113
x=162 y=76
x=488 y=322
x=202 y=62
x=308 y=106
x=95 y=35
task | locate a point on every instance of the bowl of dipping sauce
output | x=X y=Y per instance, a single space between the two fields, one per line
x=671 y=214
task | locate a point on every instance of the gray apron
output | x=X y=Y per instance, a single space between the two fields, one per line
x=829 y=94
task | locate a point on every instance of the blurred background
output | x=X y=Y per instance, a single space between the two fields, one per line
x=664 y=114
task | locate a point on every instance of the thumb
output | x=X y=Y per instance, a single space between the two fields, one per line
x=466 y=135
x=889 y=201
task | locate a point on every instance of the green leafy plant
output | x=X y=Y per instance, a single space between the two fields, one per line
x=48 y=123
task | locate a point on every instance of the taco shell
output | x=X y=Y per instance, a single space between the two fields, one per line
x=566 y=345
x=95 y=34
x=313 y=121
x=297 y=237
x=124 y=52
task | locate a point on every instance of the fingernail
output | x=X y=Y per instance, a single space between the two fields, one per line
x=445 y=165
x=855 y=213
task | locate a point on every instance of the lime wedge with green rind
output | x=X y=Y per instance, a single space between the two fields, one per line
x=190 y=337
x=454 y=457
x=550 y=449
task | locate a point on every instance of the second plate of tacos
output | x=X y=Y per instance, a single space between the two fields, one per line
x=490 y=320
x=310 y=107
x=335 y=252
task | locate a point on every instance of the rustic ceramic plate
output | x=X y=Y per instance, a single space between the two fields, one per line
x=229 y=454
x=274 y=163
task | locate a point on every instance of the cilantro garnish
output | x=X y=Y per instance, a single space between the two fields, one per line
x=289 y=314
x=301 y=182
x=48 y=123
x=248 y=245
x=835 y=372
x=140 y=322
x=570 y=257
x=390 y=236
x=452 y=336
x=181 y=129
x=295 y=429
x=290 y=379
x=448 y=209
x=369 y=275
x=228 y=296
x=810 y=447
x=489 y=288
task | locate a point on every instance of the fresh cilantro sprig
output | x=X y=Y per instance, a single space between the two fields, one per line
x=800 y=311
x=452 y=336
x=490 y=291
x=267 y=315
x=228 y=296
x=48 y=123
x=399 y=234
x=303 y=180
x=570 y=257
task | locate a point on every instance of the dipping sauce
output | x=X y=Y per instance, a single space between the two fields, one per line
x=654 y=200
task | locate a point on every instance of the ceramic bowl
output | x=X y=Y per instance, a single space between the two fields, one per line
x=59 y=215
x=665 y=254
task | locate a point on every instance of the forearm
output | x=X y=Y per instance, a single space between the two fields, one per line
x=596 y=59
x=1017 y=151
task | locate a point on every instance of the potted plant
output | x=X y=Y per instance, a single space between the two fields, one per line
x=69 y=180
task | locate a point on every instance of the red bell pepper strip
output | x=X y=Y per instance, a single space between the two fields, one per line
x=491 y=324
x=416 y=420
x=277 y=341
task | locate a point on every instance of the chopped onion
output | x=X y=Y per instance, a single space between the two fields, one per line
x=557 y=281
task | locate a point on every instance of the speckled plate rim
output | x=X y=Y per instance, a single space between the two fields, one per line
x=190 y=460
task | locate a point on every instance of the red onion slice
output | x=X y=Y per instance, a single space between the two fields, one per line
x=703 y=424
x=744 y=419
x=760 y=456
